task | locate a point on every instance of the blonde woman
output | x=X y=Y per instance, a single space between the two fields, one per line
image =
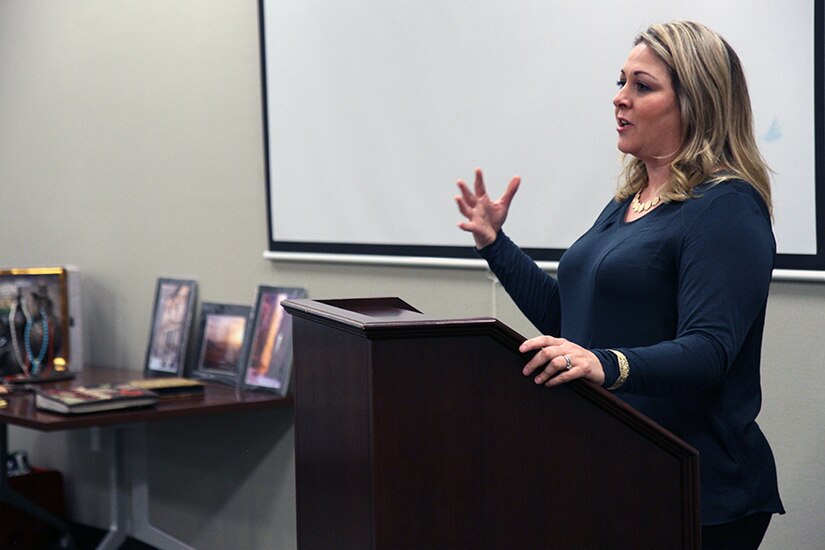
x=663 y=300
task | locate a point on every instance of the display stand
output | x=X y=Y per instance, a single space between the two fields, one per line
x=416 y=432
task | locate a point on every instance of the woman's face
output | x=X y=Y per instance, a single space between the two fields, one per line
x=648 y=119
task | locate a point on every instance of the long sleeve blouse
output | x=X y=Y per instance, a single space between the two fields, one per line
x=682 y=293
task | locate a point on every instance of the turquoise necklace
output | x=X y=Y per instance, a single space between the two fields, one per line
x=44 y=342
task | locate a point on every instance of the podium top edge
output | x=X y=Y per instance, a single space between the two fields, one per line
x=375 y=313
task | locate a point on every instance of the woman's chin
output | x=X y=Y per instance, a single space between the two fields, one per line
x=624 y=148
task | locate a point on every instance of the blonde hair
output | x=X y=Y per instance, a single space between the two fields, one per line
x=718 y=142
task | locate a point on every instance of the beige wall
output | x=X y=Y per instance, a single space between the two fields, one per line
x=130 y=146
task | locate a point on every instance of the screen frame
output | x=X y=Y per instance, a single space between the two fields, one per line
x=424 y=254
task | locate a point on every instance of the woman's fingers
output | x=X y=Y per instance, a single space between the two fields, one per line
x=540 y=342
x=510 y=191
x=466 y=195
x=553 y=360
x=552 y=370
x=465 y=209
x=558 y=360
x=548 y=350
x=479 y=184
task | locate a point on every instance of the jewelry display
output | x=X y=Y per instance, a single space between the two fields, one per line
x=35 y=318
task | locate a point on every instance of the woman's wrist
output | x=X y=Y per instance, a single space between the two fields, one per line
x=485 y=240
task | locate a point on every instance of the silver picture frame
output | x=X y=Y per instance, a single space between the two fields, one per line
x=268 y=351
x=171 y=326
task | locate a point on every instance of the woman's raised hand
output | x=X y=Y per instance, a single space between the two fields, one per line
x=484 y=215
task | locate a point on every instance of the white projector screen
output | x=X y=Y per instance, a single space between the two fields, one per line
x=374 y=109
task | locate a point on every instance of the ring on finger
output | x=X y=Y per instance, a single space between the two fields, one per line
x=568 y=363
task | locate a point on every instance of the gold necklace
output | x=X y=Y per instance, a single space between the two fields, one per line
x=638 y=206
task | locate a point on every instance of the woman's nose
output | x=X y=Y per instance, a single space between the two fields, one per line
x=620 y=100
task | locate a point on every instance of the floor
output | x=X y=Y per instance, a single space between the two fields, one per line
x=87 y=538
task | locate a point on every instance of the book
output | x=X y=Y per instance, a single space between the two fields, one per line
x=170 y=386
x=93 y=398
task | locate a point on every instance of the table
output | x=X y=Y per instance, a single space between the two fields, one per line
x=129 y=491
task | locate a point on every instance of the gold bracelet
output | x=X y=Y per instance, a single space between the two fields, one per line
x=624 y=370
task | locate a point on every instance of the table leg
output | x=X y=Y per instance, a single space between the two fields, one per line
x=118 y=495
x=129 y=494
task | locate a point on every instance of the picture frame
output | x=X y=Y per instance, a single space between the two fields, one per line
x=268 y=350
x=171 y=326
x=221 y=336
x=35 y=341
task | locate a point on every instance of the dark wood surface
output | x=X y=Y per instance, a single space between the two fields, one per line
x=217 y=398
x=413 y=432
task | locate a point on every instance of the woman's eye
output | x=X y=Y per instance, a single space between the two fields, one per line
x=639 y=86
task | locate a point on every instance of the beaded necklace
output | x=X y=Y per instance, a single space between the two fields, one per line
x=44 y=342
x=638 y=206
x=15 y=345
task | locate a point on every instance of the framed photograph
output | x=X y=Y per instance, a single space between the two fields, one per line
x=221 y=338
x=34 y=323
x=268 y=351
x=171 y=327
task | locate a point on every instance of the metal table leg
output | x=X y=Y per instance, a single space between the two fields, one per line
x=129 y=494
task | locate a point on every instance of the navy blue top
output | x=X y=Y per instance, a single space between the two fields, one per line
x=682 y=292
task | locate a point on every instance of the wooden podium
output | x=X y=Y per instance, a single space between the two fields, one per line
x=414 y=432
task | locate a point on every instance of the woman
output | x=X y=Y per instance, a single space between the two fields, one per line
x=663 y=300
